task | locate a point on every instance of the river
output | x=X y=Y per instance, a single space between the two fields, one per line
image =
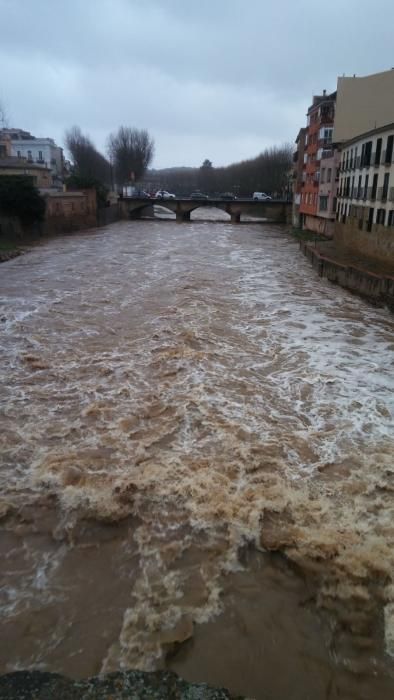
x=197 y=472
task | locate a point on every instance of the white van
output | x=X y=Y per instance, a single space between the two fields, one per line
x=261 y=196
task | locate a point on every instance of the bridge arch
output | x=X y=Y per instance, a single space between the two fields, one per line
x=273 y=210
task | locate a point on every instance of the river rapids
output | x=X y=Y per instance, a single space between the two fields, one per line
x=176 y=402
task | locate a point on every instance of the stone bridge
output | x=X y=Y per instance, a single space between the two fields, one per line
x=278 y=210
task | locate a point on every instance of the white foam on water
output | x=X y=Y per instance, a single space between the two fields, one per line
x=197 y=377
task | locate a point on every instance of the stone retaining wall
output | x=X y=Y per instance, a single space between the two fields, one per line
x=378 y=289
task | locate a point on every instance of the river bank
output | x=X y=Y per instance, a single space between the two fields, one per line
x=160 y=685
x=372 y=280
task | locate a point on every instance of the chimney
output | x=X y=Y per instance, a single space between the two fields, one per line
x=324 y=93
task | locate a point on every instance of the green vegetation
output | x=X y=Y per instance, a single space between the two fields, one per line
x=6 y=246
x=19 y=197
x=303 y=235
x=79 y=182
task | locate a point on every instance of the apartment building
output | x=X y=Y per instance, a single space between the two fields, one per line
x=365 y=205
x=298 y=175
x=317 y=199
x=363 y=104
x=41 y=151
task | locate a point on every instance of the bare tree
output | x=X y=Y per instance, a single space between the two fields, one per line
x=88 y=162
x=3 y=116
x=131 y=151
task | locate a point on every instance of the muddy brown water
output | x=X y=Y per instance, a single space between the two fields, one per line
x=178 y=402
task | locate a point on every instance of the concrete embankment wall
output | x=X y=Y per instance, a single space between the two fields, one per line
x=378 y=289
x=377 y=243
x=319 y=225
x=18 y=234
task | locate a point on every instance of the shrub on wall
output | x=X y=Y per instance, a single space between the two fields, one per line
x=76 y=182
x=19 y=197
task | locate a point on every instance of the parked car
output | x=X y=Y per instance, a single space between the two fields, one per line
x=261 y=196
x=141 y=193
x=163 y=194
x=131 y=191
x=227 y=195
x=198 y=195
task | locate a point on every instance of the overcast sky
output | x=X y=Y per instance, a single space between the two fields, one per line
x=217 y=79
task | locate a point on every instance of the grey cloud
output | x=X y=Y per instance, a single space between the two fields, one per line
x=219 y=79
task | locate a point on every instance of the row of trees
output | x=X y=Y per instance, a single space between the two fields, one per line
x=130 y=152
x=268 y=172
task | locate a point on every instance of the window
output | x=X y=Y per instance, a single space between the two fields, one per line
x=390 y=220
x=366 y=187
x=389 y=149
x=374 y=186
x=18 y=153
x=325 y=134
x=380 y=216
x=352 y=188
x=378 y=152
x=323 y=204
x=359 y=187
x=370 y=219
x=367 y=153
x=362 y=156
x=385 y=186
x=29 y=155
x=329 y=174
x=40 y=158
x=322 y=175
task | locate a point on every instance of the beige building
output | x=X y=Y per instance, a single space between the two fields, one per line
x=363 y=104
x=365 y=204
x=5 y=146
x=41 y=176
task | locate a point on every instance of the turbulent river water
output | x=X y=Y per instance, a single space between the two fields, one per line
x=178 y=402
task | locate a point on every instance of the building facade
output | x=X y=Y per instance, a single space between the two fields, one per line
x=41 y=151
x=40 y=175
x=298 y=175
x=317 y=199
x=363 y=104
x=365 y=204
